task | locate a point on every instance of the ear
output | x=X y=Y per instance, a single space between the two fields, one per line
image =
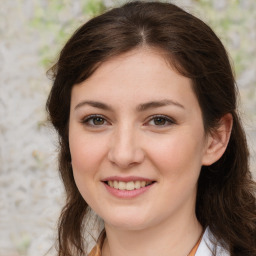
x=218 y=140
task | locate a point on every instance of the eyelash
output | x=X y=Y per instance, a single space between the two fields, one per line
x=89 y=118
x=167 y=120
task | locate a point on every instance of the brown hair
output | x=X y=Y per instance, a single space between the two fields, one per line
x=226 y=191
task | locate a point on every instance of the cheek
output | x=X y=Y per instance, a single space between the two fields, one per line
x=86 y=152
x=178 y=155
x=85 y=157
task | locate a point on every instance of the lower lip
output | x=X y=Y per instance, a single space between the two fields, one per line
x=127 y=193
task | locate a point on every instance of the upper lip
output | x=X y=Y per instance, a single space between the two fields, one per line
x=126 y=179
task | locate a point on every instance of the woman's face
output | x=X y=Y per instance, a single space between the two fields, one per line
x=137 y=141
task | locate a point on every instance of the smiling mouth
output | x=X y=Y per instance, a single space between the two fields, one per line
x=131 y=185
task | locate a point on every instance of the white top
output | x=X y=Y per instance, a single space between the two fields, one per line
x=206 y=246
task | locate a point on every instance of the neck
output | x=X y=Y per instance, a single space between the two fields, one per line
x=170 y=238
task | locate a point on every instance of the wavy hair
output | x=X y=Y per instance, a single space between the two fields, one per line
x=226 y=192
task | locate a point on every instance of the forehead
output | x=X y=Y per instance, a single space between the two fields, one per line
x=139 y=75
x=135 y=62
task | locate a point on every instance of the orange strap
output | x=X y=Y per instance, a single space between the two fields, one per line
x=95 y=251
x=194 y=249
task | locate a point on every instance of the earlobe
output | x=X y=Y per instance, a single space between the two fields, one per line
x=218 y=140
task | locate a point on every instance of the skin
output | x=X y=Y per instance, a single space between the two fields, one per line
x=128 y=140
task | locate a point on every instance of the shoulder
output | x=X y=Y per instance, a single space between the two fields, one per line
x=206 y=246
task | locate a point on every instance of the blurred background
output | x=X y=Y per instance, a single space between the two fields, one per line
x=31 y=34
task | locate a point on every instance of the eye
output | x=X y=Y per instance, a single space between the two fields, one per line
x=94 y=120
x=160 y=120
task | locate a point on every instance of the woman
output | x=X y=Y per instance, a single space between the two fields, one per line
x=144 y=102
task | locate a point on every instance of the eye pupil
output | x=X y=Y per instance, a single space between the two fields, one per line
x=159 y=121
x=98 y=121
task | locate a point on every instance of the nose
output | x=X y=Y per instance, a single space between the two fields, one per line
x=125 y=149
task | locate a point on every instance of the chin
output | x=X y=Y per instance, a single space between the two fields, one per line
x=128 y=222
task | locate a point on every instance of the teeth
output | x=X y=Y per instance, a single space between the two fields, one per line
x=143 y=183
x=137 y=184
x=116 y=184
x=122 y=185
x=131 y=185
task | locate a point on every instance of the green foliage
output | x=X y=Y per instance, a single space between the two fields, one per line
x=56 y=21
x=22 y=242
x=231 y=22
x=94 y=7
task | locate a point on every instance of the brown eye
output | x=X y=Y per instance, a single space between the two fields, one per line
x=159 y=121
x=94 y=120
x=98 y=121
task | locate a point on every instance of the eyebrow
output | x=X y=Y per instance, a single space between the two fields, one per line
x=157 y=104
x=140 y=108
x=94 y=104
